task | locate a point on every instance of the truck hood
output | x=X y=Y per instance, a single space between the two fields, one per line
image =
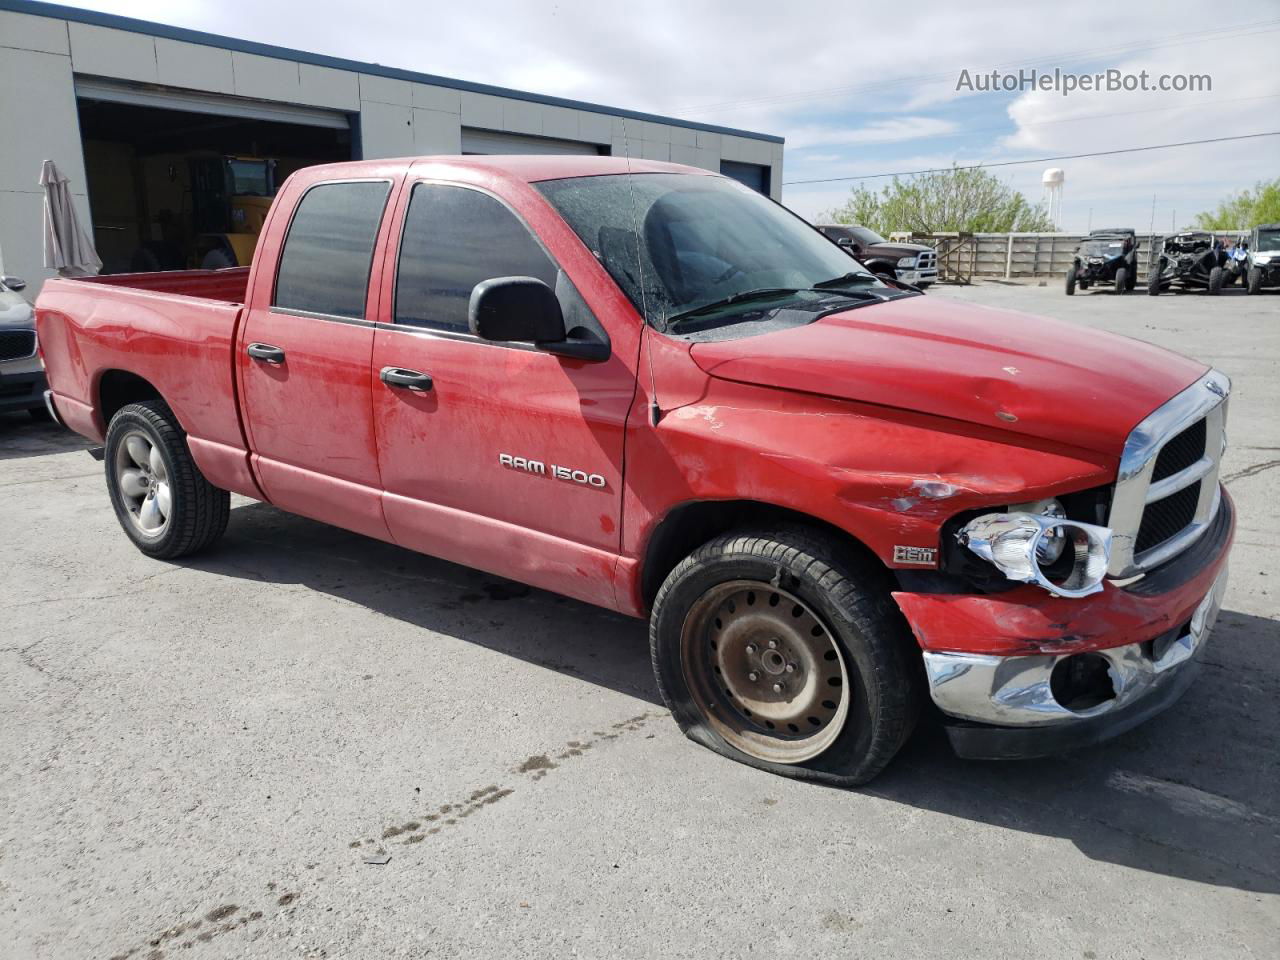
x=995 y=368
x=15 y=312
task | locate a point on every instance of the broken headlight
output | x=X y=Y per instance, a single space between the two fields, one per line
x=1065 y=557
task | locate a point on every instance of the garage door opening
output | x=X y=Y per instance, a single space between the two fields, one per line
x=752 y=175
x=175 y=189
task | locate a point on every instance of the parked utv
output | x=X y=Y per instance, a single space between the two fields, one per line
x=1194 y=259
x=1105 y=256
x=1237 y=265
x=1264 y=258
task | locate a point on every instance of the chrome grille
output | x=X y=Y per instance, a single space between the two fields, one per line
x=1165 y=519
x=1167 y=493
x=16 y=344
x=1180 y=452
x=927 y=260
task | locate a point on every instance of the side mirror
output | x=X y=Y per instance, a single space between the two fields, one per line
x=14 y=283
x=526 y=310
x=515 y=308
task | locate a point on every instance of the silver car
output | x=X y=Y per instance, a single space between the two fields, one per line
x=22 y=382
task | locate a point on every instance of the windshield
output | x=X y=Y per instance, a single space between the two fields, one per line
x=867 y=237
x=250 y=178
x=675 y=242
x=1268 y=241
x=1102 y=248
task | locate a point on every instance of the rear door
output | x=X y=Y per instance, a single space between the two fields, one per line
x=305 y=350
x=511 y=461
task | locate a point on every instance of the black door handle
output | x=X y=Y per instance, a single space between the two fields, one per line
x=266 y=353
x=405 y=379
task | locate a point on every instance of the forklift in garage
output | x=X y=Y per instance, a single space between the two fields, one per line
x=230 y=197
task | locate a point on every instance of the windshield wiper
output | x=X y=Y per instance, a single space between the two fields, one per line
x=758 y=294
x=844 y=279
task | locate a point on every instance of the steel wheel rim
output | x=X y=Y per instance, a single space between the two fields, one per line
x=742 y=641
x=143 y=481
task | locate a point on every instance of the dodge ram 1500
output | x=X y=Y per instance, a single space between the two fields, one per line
x=647 y=387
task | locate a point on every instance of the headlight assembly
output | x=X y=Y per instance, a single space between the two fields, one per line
x=1065 y=557
x=1052 y=541
x=907 y=262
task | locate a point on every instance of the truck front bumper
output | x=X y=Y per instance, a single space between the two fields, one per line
x=918 y=276
x=22 y=391
x=1025 y=674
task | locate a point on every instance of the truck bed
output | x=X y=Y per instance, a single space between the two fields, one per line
x=226 y=285
x=174 y=330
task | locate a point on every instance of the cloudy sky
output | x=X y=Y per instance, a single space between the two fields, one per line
x=855 y=88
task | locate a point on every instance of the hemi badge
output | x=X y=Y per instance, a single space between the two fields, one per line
x=924 y=556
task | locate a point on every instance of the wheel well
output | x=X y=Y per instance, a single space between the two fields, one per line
x=690 y=525
x=118 y=388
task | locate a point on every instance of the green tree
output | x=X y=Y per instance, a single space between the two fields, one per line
x=967 y=200
x=1242 y=210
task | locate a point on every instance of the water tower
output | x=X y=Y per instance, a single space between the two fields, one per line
x=1052 y=182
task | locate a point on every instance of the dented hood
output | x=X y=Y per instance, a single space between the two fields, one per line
x=995 y=368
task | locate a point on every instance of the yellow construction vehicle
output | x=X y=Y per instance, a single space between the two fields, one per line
x=230 y=199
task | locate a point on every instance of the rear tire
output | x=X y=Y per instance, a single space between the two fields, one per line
x=162 y=500
x=1071 y=282
x=1122 y=280
x=1254 y=285
x=1216 y=276
x=847 y=695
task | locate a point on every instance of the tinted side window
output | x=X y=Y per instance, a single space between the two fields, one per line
x=453 y=239
x=324 y=267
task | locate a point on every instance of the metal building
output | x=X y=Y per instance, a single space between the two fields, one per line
x=173 y=139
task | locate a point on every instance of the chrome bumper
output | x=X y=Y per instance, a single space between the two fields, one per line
x=1018 y=692
x=53 y=410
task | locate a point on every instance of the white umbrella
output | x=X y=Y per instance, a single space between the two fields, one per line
x=68 y=248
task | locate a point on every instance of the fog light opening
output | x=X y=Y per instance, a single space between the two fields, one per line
x=1081 y=682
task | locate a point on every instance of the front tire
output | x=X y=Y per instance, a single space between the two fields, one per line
x=162 y=500
x=1071 y=282
x=782 y=650
x=1122 y=280
x=1153 y=281
x=1216 y=276
x=1254 y=285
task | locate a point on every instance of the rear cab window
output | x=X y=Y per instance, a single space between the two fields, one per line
x=324 y=264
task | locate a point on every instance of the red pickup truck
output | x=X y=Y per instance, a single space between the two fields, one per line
x=647 y=387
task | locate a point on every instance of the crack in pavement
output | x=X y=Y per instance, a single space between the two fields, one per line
x=70 y=476
x=1252 y=471
x=216 y=922
x=136 y=589
x=229 y=917
x=418 y=828
x=28 y=659
x=1070 y=813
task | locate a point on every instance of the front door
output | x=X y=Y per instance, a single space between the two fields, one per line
x=510 y=459
x=304 y=358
